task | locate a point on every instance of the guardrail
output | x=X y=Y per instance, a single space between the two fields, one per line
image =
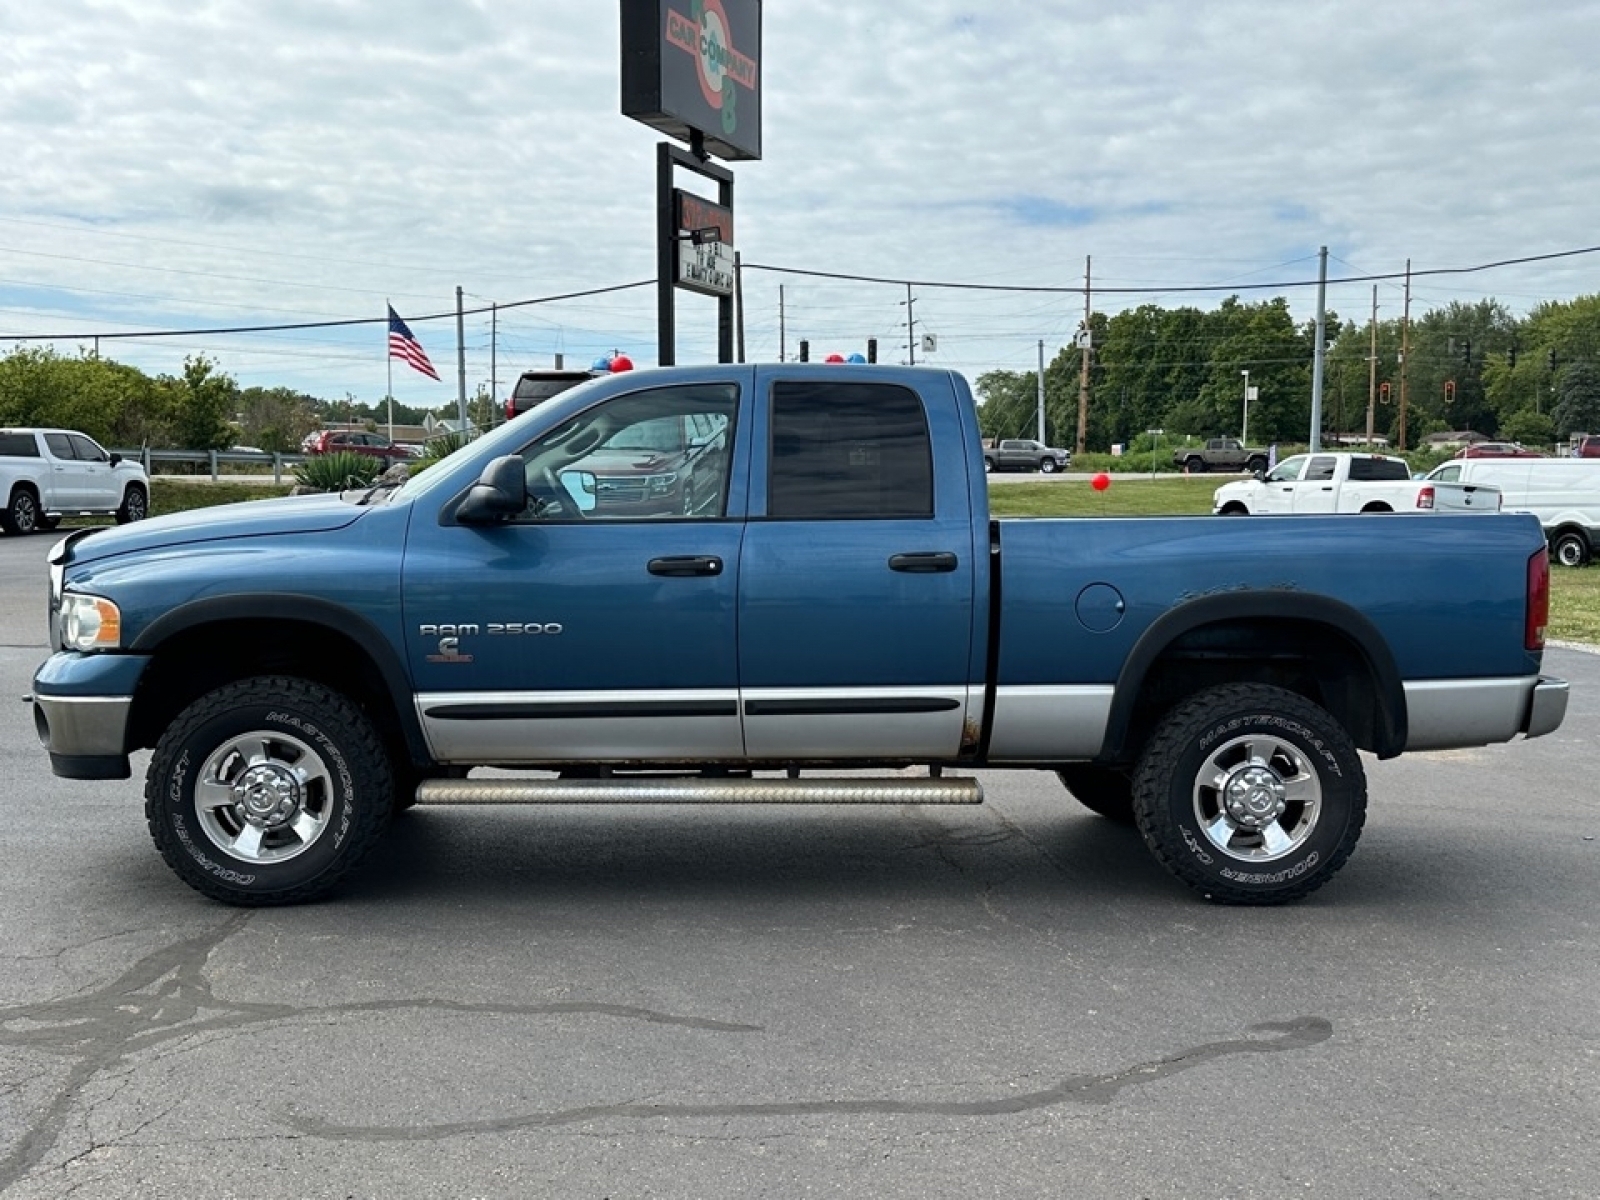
x=214 y=460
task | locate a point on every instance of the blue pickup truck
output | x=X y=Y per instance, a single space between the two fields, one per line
x=771 y=584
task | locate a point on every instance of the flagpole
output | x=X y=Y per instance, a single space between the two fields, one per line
x=388 y=363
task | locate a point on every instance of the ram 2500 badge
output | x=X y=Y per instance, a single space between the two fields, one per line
x=817 y=601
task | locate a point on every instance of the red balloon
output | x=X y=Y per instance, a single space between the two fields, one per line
x=1100 y=482
x=838 y=358
x=621 y=363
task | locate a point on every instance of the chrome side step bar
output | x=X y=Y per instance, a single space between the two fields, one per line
x=670 y=789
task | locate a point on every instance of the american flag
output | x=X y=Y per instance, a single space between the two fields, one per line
x=403 y=345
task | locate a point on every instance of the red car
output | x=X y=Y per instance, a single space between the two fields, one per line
x=1586 y=445
x=357 y=441
x=1498 y=450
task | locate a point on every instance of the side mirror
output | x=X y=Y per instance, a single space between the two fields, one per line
x=1260 y=473
x=583 y=489
x=501 y=491
x=115 y=459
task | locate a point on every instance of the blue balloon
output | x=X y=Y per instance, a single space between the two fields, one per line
x=603 y=363
x=857 y=358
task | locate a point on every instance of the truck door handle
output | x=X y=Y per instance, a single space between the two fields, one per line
x=686 y=564
x=925 y=562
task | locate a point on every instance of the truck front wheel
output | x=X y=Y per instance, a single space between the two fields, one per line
x=1250 y=794
x=1047 y=466
x=135 y=505
x=267 y=791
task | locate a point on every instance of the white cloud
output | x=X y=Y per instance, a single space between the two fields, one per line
x=172 y=165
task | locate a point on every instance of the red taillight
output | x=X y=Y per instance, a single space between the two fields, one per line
x=1425 y=497
x=1538 y=600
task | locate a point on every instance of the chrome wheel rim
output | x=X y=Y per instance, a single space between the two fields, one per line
x=264 y=797
x=1257 y=798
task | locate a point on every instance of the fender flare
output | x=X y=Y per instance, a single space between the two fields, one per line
x=282 y=606
x=1391 y=722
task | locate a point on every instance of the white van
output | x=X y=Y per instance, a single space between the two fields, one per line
x=1564 y=493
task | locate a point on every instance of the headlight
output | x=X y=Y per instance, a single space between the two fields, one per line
x=662 y=484
x=89 y=623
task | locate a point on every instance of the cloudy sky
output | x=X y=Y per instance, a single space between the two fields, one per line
x=213 y=163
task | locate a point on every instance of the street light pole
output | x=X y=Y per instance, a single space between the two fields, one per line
x=1244 y=431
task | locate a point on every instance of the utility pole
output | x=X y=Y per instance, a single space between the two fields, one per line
x=1405 y=346
x=911 y=328
x=738 y=305
x=1318 y=359
x=1041 y=390
x=494 y=346
x=783 y=352
x=1372 y=369
x=461 y=362
x=1084 y=342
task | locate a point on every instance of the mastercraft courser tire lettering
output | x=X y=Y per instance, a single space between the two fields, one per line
x=1250 y=794
x=267 y=791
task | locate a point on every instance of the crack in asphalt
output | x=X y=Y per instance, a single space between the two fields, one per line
x=1298 y=1034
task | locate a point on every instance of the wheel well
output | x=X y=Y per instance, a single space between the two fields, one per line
x=1234 y=508
x=200 y=659
x=23 y=485
x=1312 y=658
x=1377 y=506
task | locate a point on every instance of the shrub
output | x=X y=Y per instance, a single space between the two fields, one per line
x=336 y=472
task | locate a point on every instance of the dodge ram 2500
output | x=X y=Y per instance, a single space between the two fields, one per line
x=816 y=606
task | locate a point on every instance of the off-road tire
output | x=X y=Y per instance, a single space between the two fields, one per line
x=1260 y=747
x=250 y=743
x=1103 y=790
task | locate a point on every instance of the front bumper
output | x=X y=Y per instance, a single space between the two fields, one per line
x=82 y=708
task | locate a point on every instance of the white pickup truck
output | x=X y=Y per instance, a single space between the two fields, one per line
x=47 y=474
x=1348 y=483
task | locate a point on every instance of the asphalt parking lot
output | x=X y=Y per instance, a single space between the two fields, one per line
x=1009 y=1001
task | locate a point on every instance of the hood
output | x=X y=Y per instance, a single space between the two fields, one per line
x=252 y=518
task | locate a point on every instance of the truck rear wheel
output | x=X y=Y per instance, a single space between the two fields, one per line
x=21 y=513
x=267 y=791
x=1570 y=548
x=1250 y=794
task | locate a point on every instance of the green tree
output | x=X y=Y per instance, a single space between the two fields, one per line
x=1577 y=400
x=200 y=406
x=276 y=419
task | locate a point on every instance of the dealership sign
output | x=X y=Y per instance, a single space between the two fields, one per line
x=692 y=67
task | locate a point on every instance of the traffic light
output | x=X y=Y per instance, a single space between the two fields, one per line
x=805 y=350
x=1383 y=392
x=1449 y=391
x=1511 y=357
x=1466 y=351
x=1550 y=358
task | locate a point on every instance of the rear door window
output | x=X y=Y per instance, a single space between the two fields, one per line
x=849 y=452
